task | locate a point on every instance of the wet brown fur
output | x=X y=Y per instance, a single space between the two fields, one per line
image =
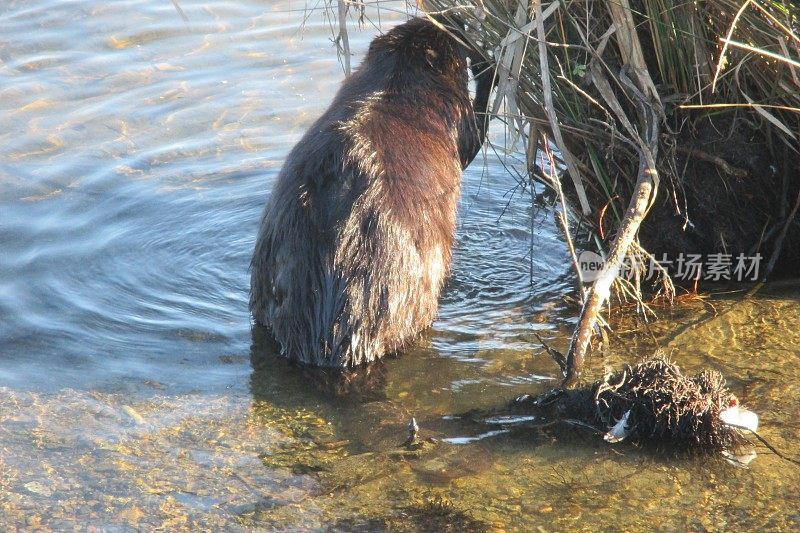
x=355 y=240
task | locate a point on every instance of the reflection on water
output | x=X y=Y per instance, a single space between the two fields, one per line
x=136 y=153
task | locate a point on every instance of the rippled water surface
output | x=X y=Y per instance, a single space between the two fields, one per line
x=136 y=153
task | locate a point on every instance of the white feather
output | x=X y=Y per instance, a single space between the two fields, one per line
x=739 y=417
x=740 y=458
x=620 y=429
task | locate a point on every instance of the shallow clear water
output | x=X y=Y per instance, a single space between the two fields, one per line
x=136 y=153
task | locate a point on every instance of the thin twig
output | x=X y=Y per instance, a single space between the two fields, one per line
x=563 y=220
x=641 y=200
x=343 y=37
x=180 y=11
x=769 y=446
x=726 y=167
x=557 y=356
x=776 y=250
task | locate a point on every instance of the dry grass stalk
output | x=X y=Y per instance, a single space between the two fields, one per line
x=544 y=66
x=343 y=39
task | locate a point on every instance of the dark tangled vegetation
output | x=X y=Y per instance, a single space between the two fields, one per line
x=722 y=76
x=652 y=403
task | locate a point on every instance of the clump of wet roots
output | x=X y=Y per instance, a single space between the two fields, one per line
x=663 y=407
x=667 y=407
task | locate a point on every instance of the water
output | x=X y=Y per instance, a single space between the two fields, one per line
x=136 y=153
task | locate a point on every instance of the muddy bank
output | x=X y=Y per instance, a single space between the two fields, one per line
x=731 y=191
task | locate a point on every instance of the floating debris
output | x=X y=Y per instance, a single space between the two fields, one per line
x=738 y=417
x=620 y=430
x=413 y=431
x=658 y=403
x=740 y=458
x=653 y=402
x=134 y=414
x=39 y=488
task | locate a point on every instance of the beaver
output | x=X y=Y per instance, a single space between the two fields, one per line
x=355 y=240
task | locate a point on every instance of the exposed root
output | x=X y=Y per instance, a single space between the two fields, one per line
x=667 y=407
x=651 y=402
